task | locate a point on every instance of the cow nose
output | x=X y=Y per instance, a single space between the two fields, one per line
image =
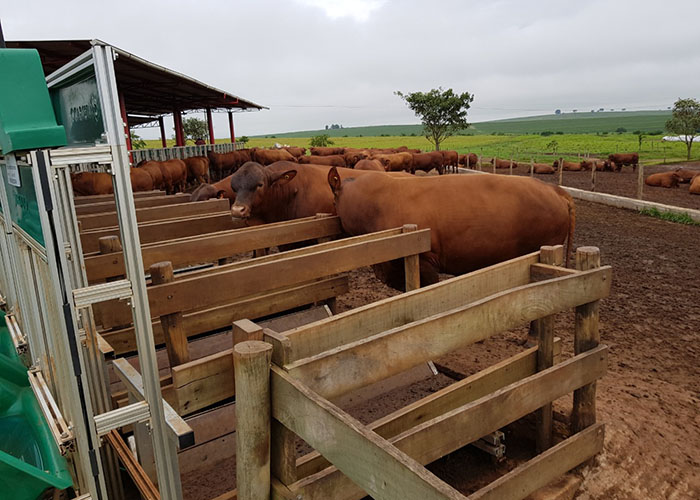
x=240 y=211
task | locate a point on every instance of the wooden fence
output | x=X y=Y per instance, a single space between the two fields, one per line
x=314 y=364
x=163 y=154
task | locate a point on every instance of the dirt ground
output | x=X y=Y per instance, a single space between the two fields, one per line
x=649 y=399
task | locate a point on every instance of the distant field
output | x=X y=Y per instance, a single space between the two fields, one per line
x=522 y=147
x=568 y=123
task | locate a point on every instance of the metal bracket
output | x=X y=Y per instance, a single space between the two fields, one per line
x=492 y=444
x=18 y=338
x=114 y=419
x=89 y=295
x=62 y=433
x=71 y=156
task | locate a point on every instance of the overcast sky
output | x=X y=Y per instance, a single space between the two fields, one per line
x=316 y=62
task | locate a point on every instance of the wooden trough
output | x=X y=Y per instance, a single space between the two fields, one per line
x=285 y=386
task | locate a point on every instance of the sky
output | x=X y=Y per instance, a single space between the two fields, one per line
x=319 y=62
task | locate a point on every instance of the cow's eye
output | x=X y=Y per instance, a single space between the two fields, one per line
x=260 y=185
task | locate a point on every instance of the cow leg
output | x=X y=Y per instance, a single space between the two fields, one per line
x=429 y=272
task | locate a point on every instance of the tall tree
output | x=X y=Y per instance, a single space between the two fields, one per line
x=442 y=112
x=685 y=121
x=195 y=129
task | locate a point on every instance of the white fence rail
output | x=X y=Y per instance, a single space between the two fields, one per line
x=162 y=154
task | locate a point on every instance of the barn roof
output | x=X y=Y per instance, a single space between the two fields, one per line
x=149 y=90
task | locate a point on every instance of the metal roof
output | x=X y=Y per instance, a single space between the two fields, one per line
x=149 y=90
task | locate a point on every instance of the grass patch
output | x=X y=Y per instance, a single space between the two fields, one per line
x=683 y=218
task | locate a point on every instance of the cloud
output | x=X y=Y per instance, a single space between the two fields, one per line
x=359 y=10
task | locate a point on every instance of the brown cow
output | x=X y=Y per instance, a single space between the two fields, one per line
x=223 y=163
x=695 y=185
x=141 y=180
x=154 y=171
x=471 y=159
x=569 y=166
x=197 y=169
x=369 y=165
x=427 y=162
x=501 y=163
x=220 y=189
x=174 y=174
x=450 y=160
x=663 y=179
x=600 y=165
x=541 y=168
x=91 y=183
x=296 y=152
x=686 y=175
x=270 y=156
x=492 y=218
x=396 y=162
x=327 y=151
x=352 y=156
x=330 y=160
x=283 y=191
x=618 y=160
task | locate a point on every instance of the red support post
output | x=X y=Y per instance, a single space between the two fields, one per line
x=162 y=132
x=230 y=127
x=179 y=133
x=125 y=120
x=210 y=124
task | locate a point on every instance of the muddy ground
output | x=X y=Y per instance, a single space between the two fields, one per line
x=650 y=398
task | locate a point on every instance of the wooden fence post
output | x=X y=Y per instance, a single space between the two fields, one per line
x=251 y=367
x=172 y=324
x=586 y=337
x=411 y=264
x=544 y=330
x=561 y=170
x=494 y=165
x=510 y=170
x=640 y=181
x=245 y=330
x=593 y=171
x=532 y=167
x=478 y=163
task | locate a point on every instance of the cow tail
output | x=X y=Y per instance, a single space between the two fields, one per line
x=572 y=226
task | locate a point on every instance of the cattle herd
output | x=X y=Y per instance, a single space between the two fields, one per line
x=375 y=189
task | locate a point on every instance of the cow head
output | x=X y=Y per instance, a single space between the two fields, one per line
x=251 y=183
x=334 y=181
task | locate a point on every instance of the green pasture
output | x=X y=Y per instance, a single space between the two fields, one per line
x=567 y=123
x=521 y=147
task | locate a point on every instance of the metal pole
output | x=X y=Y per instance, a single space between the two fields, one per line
x=210 y=124
x=230 y=127
x=2 y=38
x=161 y=124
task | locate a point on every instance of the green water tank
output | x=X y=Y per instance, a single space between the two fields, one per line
x=27 y=119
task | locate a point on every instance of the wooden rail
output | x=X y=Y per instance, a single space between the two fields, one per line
x=213 y=246
x=150 y=214
x=155 y=232
x=385 y=459
x=97 y=198
x=144 y=202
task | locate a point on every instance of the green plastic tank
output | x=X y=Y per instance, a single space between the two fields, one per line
x=30 y=461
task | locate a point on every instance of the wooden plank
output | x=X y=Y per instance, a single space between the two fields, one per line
x=411 y=265
x=172 y=324
x=586 y=336
x=389 y=313
x=465 y=391
x=150 y=201
x=437 y=437
x=546 y=467
x=254 y=306
x=215 y=287
x=211 y=247
x=541 y=272
x=150 y=232
x=143 y=483
x=97 y=198
x=94 y=221
x=213 y=424
x=363 y=362
x=369 y=461
x=200 y=383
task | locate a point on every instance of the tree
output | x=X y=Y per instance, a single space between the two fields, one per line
x=136 y=141
x=194 y=129
x=442 y=112
x=640 y=138
x=557 y=111
x=320 y=141
x=685 y=121
x=244 y=139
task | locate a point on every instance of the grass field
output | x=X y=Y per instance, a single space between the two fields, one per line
x=522 y=147
x=568 y=123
